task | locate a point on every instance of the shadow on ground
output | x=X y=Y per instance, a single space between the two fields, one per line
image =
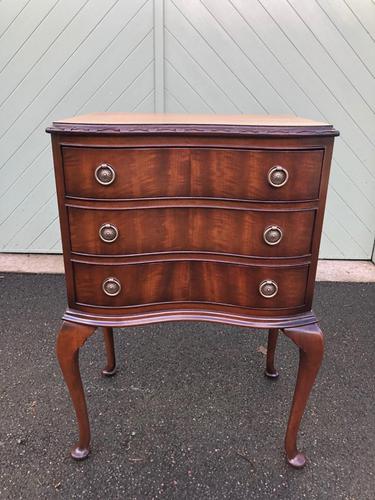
x=189 y=414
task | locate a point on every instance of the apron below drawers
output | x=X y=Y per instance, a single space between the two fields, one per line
x=196 y=281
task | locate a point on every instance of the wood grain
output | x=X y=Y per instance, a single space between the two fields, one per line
x=191 y=229
x=182 y=172
x=190 y=281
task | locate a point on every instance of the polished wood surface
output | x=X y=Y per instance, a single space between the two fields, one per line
x=309 y=340
x=192 y=173
x=200 y=229
x=110 y=368
x=160 y=118
x=191 y=218
x=170 y=124
x=71 y=338
x=190 y=281
x=271 y=371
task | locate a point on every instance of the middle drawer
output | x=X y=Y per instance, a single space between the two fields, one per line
x=116 y=232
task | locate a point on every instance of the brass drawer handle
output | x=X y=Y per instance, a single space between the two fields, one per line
x=268 y=289
x=111 y=286
x=108 y=233
x=278 y=176
x=273 y=235
x=105 y=174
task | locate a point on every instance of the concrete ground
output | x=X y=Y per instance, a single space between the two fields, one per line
x=360 y=271
x=189 y=414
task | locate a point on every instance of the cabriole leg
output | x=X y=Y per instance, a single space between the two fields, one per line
x=309 y=339
x=71 y=338
x=271 y=347
x=110 y=368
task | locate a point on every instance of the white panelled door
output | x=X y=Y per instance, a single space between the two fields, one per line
x=309 y=58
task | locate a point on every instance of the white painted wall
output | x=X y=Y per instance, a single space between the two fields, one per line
x=66 y=57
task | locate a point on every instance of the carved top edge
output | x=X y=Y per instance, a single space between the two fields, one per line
x=192 y=129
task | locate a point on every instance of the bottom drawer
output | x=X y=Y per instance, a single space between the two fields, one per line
x=212 y=282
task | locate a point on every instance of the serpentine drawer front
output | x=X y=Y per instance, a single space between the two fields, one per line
x=211 y=228
x=122 y=173
x=189 y=281
x=178 y=217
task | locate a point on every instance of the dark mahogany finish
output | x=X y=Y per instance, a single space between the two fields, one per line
x=271 y=371
x=190 y=281
x=110 y=368
x=221 y=229
x=171 y=217
x=193 y=173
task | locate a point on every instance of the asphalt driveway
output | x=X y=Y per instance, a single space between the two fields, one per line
x=189 y=414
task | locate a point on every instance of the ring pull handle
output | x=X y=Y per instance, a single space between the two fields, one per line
x=268 y=289
x=278 y=176
x=108 y=233
x=273 y=235
x=111 y=287
x=105 y=174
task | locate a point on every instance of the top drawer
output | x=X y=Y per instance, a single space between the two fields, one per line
x=125 y=173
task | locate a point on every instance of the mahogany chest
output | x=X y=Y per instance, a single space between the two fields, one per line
x=191 y=217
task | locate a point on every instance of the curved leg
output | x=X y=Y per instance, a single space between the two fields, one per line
x=271 y=347
x=309 y=339
x=71 y=337
x=110 y=368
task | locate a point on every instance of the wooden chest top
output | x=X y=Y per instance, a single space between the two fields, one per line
x=191 y=123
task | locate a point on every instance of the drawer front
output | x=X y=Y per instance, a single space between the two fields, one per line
x=125 y=173
x=138 y=173
x=257 y=175
x=199 y=229
x=189 y=281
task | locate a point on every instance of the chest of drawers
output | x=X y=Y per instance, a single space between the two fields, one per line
x=209 y=218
